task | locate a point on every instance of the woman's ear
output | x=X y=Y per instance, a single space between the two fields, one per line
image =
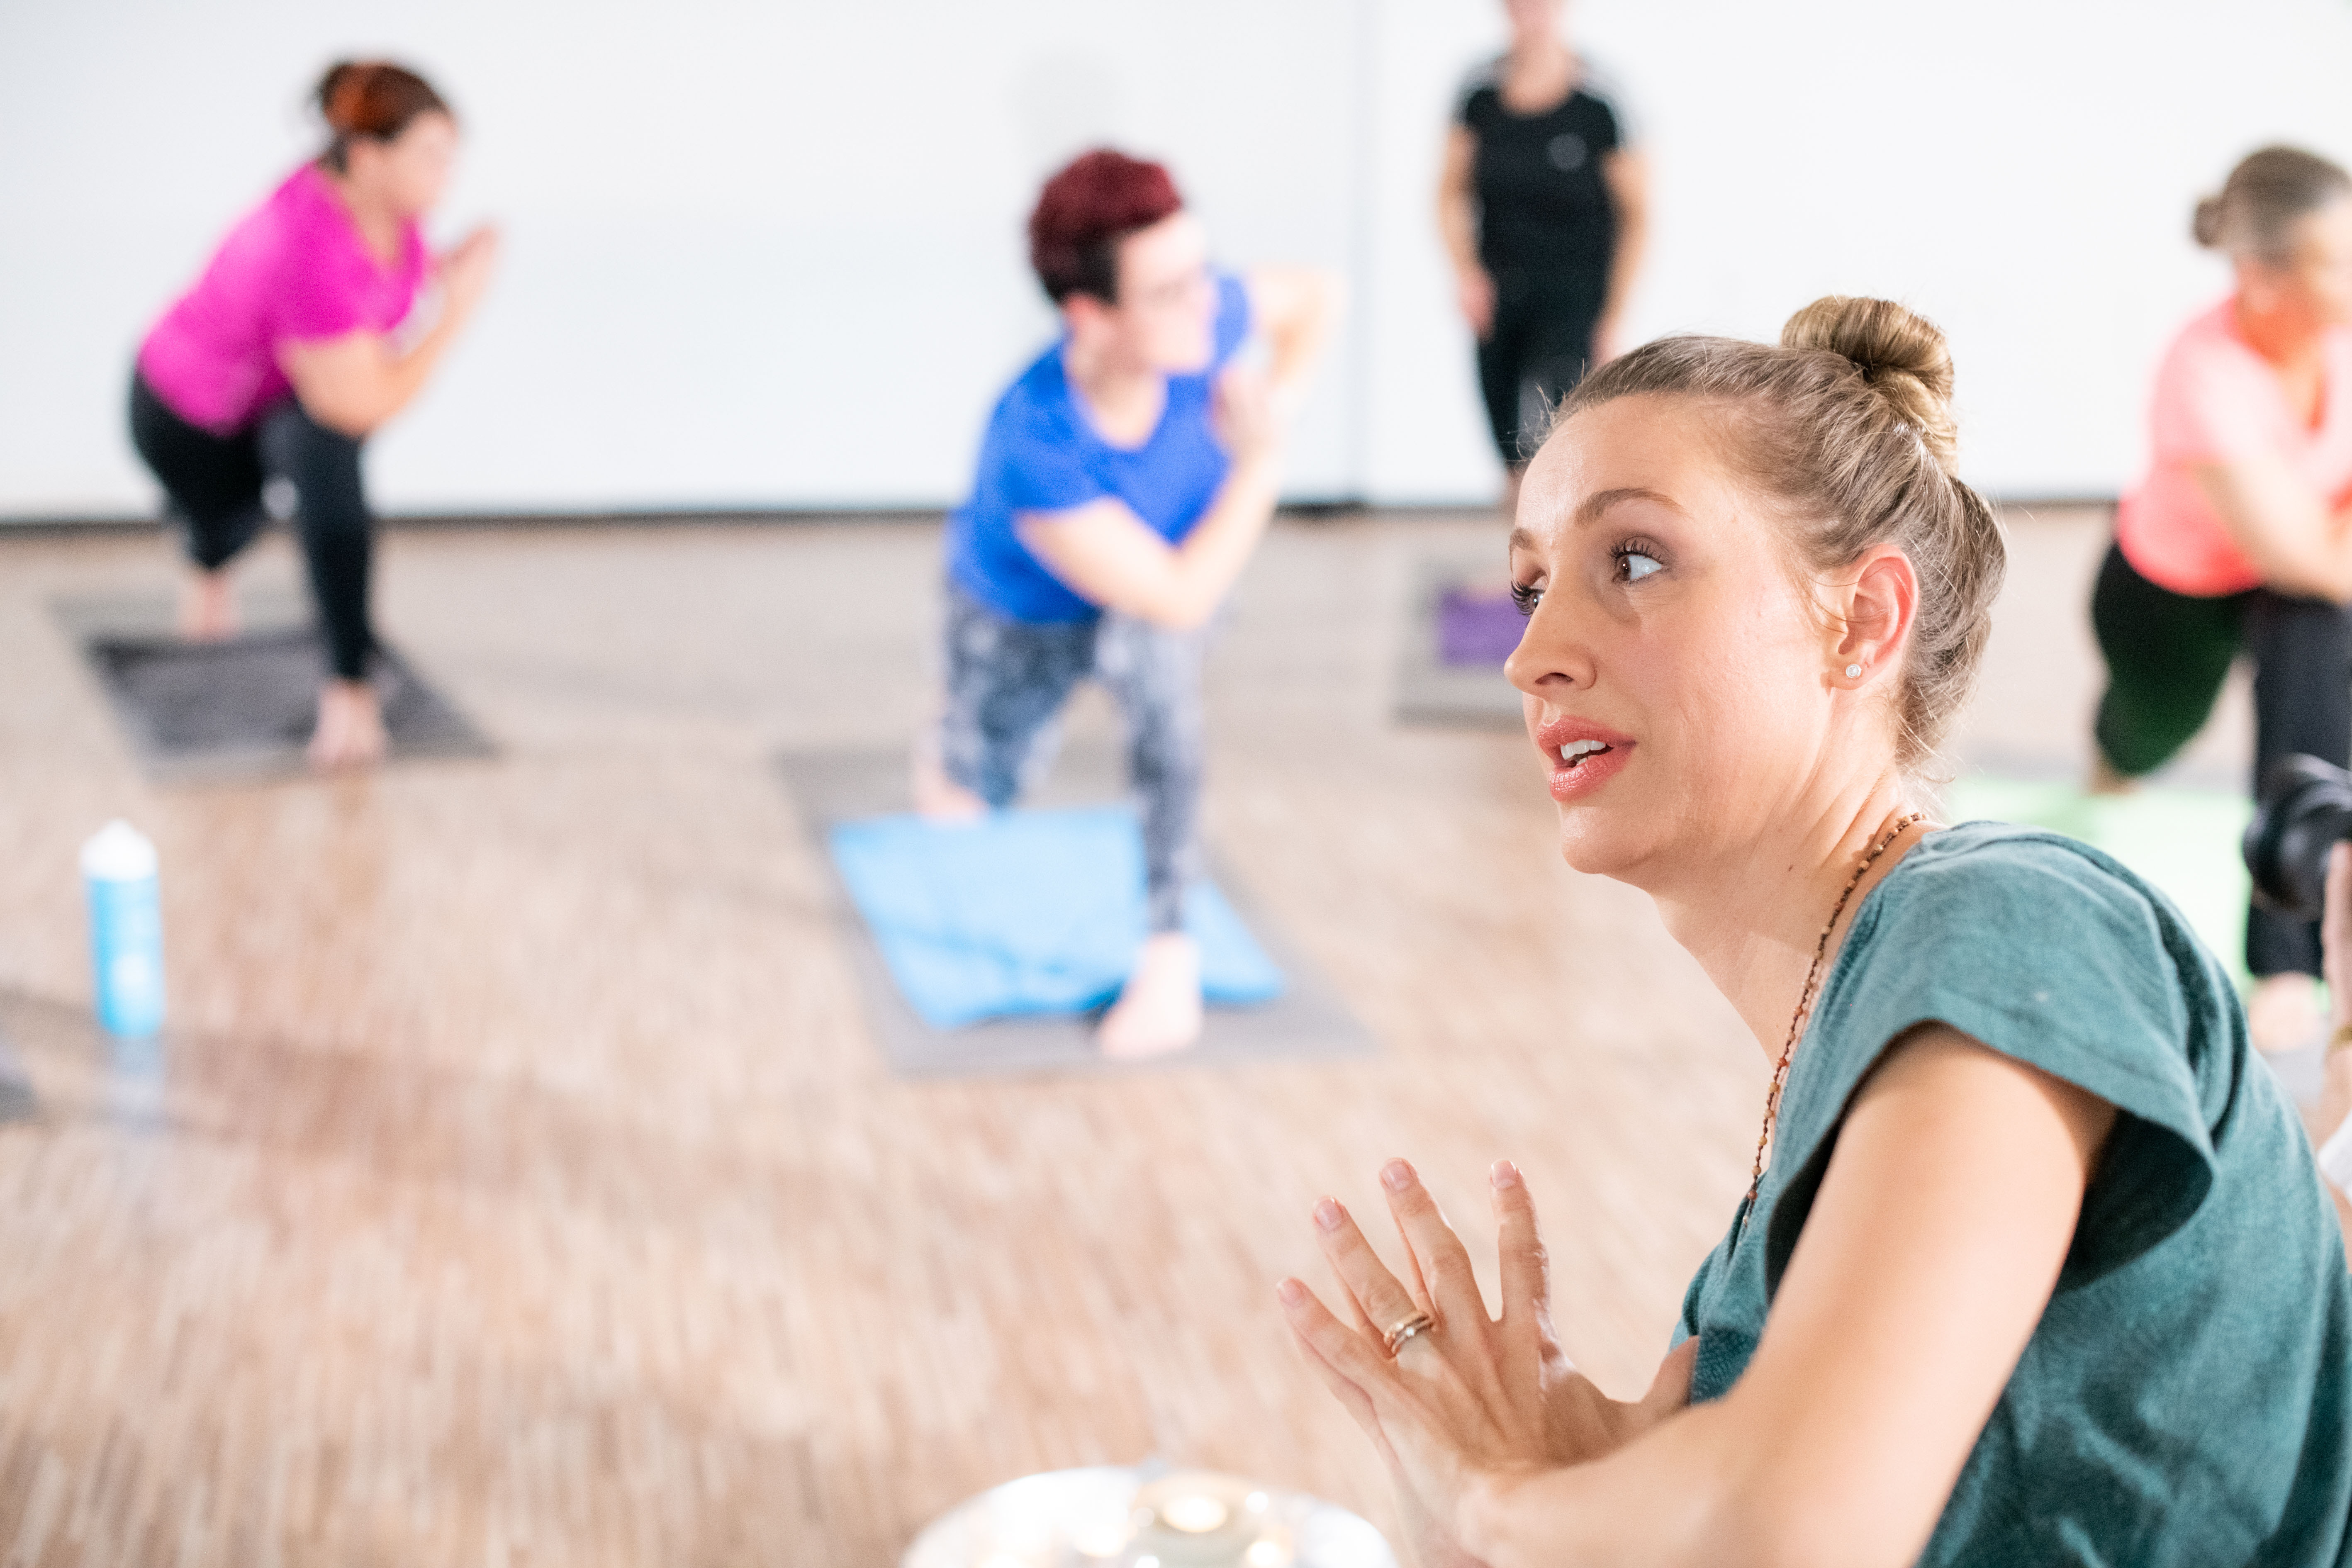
x=1873 y=612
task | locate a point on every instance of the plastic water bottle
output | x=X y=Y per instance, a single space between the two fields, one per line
x=126 y=929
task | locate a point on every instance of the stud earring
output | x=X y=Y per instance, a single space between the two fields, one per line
x=1852 y=671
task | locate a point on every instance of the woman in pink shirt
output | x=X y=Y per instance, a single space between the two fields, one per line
x=299 y=340
x=2240 y=539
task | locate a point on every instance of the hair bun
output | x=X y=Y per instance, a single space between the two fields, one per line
x=1903 y=356
x=2205 y=225
x=340 y=93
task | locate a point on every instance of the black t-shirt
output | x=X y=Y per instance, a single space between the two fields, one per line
x=1544 y=210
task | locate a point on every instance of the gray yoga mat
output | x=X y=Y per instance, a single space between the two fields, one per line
x=242 y=707
x=1306 y=1023
x=1429 y=691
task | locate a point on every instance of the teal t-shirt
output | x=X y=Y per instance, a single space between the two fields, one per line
x=2186 y=1397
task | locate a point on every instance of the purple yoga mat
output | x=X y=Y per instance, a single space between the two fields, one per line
x=1477 y=628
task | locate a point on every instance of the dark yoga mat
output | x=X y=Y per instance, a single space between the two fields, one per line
x=1306 y=1023
x=243 y=707
x=1458 y=630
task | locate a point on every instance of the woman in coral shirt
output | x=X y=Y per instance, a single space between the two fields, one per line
x=2240 y=536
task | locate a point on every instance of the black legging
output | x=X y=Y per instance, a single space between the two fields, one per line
x=2166 y=655
x=1536 y=350
x=214 y=483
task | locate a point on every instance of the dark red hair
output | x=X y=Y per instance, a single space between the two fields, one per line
x=1098 y=200
x=373 y=99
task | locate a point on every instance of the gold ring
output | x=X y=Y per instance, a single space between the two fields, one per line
x=1419 y=1323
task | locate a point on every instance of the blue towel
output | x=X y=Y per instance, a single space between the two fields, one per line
x=1026 y=911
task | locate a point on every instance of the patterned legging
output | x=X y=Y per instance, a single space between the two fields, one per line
x=1007 y=681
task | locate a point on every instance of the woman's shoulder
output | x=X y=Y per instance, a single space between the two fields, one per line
x=2005 y=882
x=2013 y=915
x=1602 y=92
x=1480 y=95
x=2209 y=345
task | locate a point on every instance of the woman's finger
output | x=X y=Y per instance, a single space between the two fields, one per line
x=1384 y=1301
x=1527 y=1270
x=1359 y=1403
x=1347 y=1354
x=1439 y=1258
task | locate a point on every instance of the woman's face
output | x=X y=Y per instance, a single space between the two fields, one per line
x=1166 y=315
x=1534 y=22
x=1668 y=649
x=410 y=171
x=2314 y=285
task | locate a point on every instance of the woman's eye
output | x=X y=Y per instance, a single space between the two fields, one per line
x=1638 y=565
x=1526 y=598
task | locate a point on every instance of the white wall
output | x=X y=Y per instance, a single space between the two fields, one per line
x=770 y=254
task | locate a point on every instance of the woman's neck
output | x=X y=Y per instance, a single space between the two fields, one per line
x=2293 y=346
x=1538 y=73
x=2289 y=342
x=379 y=228
x=1753 y=917
x=1122 y=399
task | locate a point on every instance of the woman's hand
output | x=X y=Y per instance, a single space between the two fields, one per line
x=465 y=271
x=1475 y=1399
x=1474 y=288
x=1246 y=420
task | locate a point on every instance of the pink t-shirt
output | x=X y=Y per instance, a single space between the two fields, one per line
x=296 y=270
x=2218 y=401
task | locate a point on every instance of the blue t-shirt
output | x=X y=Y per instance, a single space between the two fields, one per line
x=2186 y=1397
x=1041 y=453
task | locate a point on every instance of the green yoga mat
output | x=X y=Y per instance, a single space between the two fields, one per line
x=2184 y=841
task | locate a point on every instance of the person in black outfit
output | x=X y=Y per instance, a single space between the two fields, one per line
x=1542 y=206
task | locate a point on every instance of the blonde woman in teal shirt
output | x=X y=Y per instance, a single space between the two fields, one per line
x=2035 y=1267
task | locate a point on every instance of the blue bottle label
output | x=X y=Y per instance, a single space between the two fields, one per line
x=126 y=930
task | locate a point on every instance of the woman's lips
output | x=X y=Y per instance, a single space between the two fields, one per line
x=1583 y=756
x=1573 y=781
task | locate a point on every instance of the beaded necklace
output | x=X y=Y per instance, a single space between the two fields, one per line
x=1804 y=1008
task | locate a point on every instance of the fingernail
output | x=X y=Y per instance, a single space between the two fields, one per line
x=1504 y=1174
x=1397 y=1175
x=1291 y=1292
x=1328 y=1213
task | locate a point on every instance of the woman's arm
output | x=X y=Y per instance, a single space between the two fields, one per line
x=1627 y=174
x=1295 y=309
x=1458 y=225
x=1928 y=1256
x=2282 y=524
x=356 y=382
x=1107 y=555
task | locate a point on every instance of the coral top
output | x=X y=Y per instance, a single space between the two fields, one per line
x=2218 y=401
x=294 y=270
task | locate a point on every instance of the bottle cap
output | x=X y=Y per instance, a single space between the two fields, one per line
x=118 y=853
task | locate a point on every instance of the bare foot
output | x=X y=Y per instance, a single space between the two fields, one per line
x=1159 y=1010
x=350 y=731
x=939 y=798
x=2104 y=780
x=207 y=608
x=2283 y=1015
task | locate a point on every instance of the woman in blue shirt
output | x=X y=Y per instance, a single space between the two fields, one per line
x=2034 y=1264
x=1124 y=480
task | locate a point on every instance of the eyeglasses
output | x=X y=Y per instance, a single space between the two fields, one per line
x=1174 y=294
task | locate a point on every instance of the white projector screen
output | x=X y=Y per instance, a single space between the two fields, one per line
x=768 y=255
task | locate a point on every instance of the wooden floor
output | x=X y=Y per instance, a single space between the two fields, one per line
x=518 y=1184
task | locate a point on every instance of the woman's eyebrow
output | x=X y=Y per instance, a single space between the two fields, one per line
x=1591 y=508
x=1593 y=505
